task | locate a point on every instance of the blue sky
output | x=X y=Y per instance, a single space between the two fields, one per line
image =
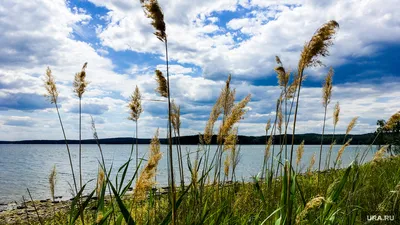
x=208 y=39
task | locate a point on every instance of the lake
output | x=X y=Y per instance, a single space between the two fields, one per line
x=28 y=166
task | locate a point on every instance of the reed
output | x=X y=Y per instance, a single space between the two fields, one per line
x=147 y=176
x=100 y=181
x=267 y=149
x=52 y=181
x=52 y=95
x=393 y=120
x=135 y=107
x=176 y=124
x=153 y=11
x=316 y=47
x=351 y=125
x=311 y=164
x=326 y=99
x=299 y=153
x=380 y=154
x=340 y=152
x=336 y=113
x=80 y=85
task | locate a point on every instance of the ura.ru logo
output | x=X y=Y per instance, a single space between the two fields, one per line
x=380 y=217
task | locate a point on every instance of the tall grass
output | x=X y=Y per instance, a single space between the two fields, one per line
x=80 y=85
x=214 y=194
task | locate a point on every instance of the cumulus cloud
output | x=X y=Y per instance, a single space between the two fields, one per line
x=19 y=121
x=22 y=101
x=269 y=28
x=205 y=45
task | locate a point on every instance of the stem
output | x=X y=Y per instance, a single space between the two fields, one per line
x=137 y=148
x=69 y=153
x=180 y=158
x=322 y=140
x=170 y=139
x=80 y=143
x=34 y=206
x=328 y=162
x=292 y=147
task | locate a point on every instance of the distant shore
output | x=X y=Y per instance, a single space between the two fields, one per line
x=309 y=139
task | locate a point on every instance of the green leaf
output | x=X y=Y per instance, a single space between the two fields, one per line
x=127 y=216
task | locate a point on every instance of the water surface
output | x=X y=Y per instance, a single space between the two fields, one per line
x=28 y=166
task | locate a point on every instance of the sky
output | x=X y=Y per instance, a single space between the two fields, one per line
x=207 y=40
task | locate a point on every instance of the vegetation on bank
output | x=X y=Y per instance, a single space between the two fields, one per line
x=278 y=195
x=309 y=139
x=374 y=186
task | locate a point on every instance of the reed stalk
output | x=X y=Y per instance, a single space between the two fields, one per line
x=317 y=46
x=52 y=95
x=135 y=106
x=326 y=99
x=80 y=85
x=336 y=113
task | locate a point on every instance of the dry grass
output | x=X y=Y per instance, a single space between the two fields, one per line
x=162 y=88
x=299 y=153
x=393 y=120
x=351 y=125
x=52 y=181
x=50 y=85
x=147 y=176
x=327 y=88
x=336 y=113
x=80 y=82
x=135 y=105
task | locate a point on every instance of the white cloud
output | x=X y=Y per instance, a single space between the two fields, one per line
x=45 y=36
x=274 y=28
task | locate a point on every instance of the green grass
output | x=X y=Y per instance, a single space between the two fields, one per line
x=369 y=187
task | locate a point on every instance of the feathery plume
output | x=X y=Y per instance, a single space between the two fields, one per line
x=278 y=60
x=310 y=166
x=268 y=126
x=231 y=140
x=336 y=113
x=175 y=116
x=351 y=125
x=146 y=178
x=380 y=154
x=162 y=88
x=50 y=85
x=135 y=105
x=283 y=76
x=313 y=204
x=268 y=147
x=299 y=153
x=80 y=82
x=99 y=217
x=100 y=181
x=291 y=90
x=215 y=112
x=227 y=96
x=52 y=181
x=280 y=116
x=236 y=114
x=318 y=45
x=394 y=119
x=153 y=11
x=327 y=88
x=341 y=150
x=227 y=164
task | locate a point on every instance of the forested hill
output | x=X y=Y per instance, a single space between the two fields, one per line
x=309 y=139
